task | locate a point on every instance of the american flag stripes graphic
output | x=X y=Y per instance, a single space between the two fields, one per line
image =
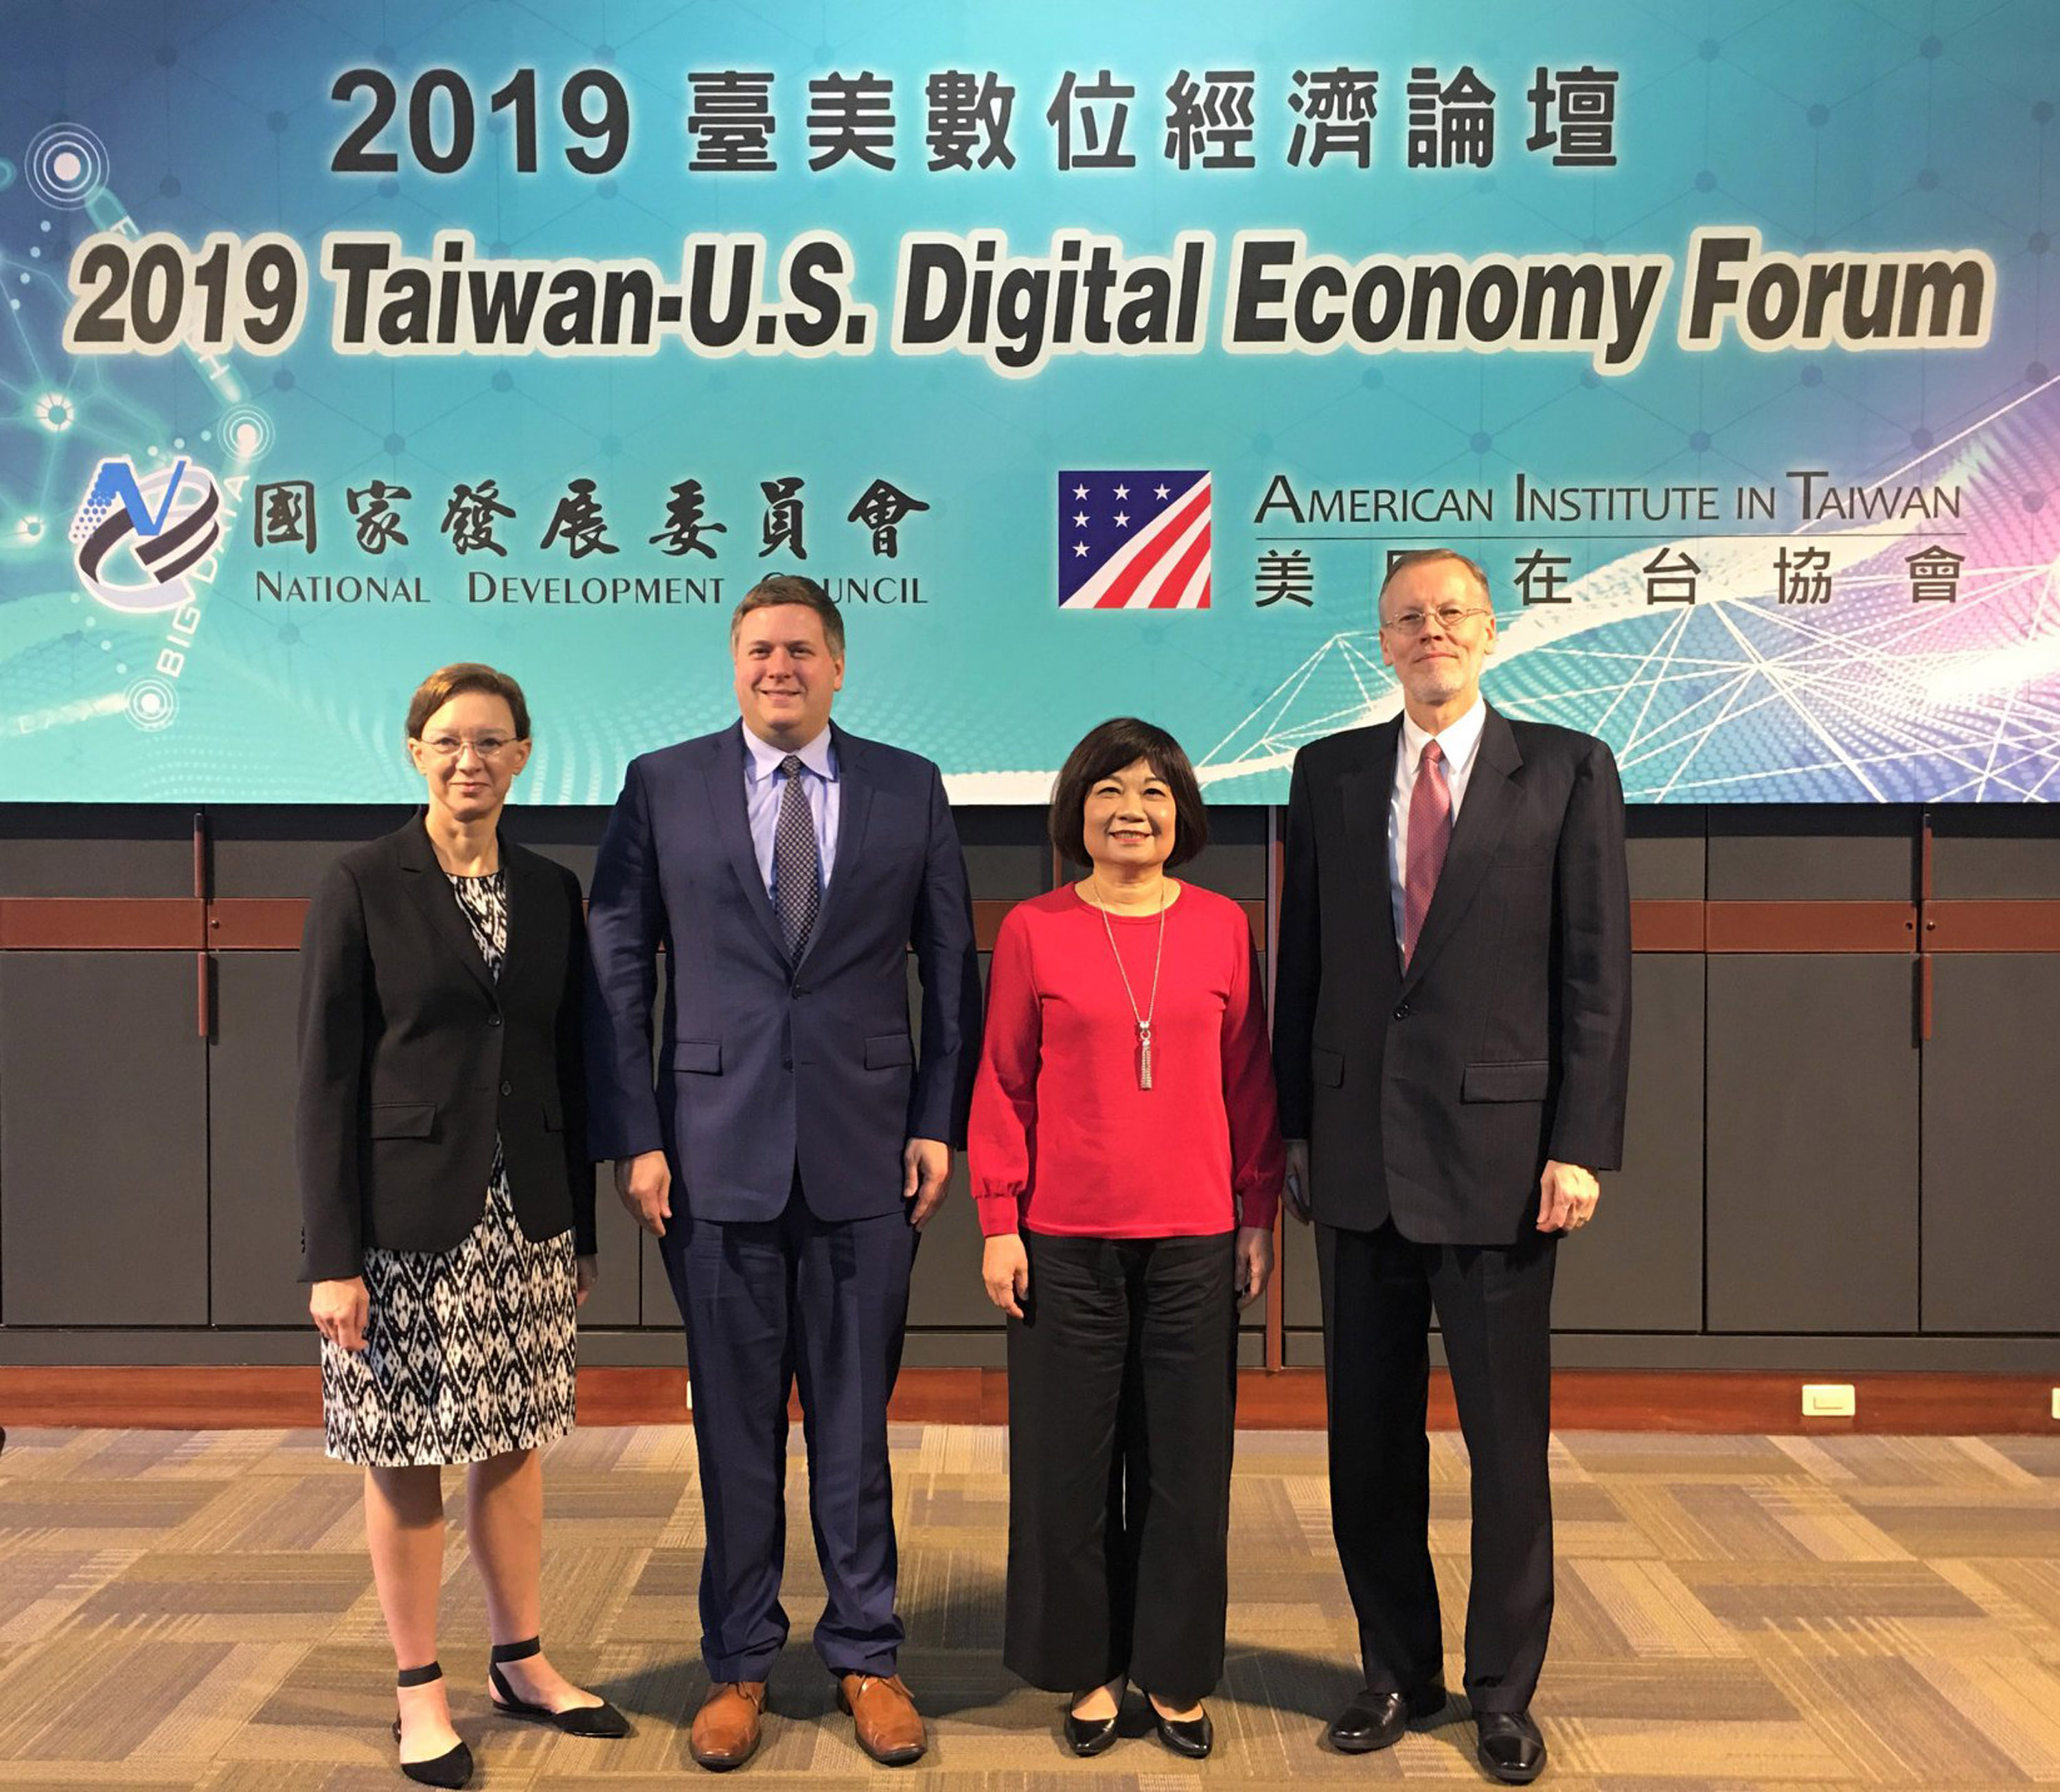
x=1134 y=540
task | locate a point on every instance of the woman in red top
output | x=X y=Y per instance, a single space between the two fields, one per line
x=1126 y=1160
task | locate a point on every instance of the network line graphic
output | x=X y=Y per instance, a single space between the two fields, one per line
x=1877 y=697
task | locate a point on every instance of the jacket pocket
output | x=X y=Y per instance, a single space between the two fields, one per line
x=885 y=1050
x=703 y=1056
x=402 y=1119
x=1523 y=1081
x=1326 y=1067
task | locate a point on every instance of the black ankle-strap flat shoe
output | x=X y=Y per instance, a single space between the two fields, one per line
x=450 y=1769
x=579 y=1720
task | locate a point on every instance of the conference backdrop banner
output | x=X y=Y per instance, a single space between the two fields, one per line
x=1095 y=357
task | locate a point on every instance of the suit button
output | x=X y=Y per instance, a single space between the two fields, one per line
x=508 y=1088
x=1401 y=1011
x=493 y=1021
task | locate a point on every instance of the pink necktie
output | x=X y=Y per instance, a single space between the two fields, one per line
x=1429 y=833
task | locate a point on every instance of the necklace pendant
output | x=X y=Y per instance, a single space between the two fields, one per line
x=1144 y=1054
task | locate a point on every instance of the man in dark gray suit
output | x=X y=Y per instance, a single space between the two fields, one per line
x=1449 y=1086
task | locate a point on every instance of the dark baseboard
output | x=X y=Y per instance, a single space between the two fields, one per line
x=215 y=1397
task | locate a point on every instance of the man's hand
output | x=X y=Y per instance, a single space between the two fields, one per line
x=645 y=1184
x=340 y=1311
x=1004 y=1268
x=926 y=1166
x=1298 y=1179
x=1255 y=1263
x=586 y=1272
x=1567 y=1195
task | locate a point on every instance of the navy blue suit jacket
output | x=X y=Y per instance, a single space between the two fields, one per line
x=762 y=1066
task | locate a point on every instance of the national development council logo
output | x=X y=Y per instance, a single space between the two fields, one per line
x=159 y=529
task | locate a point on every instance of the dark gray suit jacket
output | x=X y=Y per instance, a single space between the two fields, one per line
x=1436 y=1095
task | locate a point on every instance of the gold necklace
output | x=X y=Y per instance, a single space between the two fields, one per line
x=1143 y=1020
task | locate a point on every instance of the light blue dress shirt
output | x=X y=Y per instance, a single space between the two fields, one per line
x=764 y=785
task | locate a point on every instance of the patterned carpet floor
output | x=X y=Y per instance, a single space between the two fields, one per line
x=194 y=1610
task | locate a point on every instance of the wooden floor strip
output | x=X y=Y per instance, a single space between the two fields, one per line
x=218 y=1398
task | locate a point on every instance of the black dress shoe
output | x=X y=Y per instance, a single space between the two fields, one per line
x=1509 y=1746
x=1090 y=1735
x=450 y=1769
x=1191 y=1737
x=578 y=1720
x=1377 y=1720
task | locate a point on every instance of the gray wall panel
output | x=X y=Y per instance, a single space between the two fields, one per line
x=281 y=853
x=1812 y=1153
x=1984 y=851
x=946 y=1288
x=1667 y=853
x=1638 y=1268
x=1834 y=852
x=618 y=1298
x=54 y=849
x=103 y=1140
x=1991 y=1192
x=1007 y=854
x=254 y=1210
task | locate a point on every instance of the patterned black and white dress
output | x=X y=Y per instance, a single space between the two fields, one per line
x=468 y=1352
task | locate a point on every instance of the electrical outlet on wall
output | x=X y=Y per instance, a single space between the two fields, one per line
x=1829 y=1399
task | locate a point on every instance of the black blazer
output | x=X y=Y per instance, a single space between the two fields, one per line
x=1436 y=1095
x=412 y=1058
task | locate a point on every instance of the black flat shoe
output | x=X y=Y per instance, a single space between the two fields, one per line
x=453 y=1768
x=1092 y=1735
x=1378 y=1720
x=579 y=1720
x=1509 y=1745
x=1191 y=1737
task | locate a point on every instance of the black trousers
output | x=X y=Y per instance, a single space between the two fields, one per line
x=1494 y=1306
x=1122 y=1397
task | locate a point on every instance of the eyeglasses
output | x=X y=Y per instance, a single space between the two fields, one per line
x=1449 y=616
x=449 y=746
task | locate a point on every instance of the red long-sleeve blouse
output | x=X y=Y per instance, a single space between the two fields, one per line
x=1062 y=1139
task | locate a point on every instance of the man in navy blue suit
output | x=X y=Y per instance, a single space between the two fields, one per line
x=796 y=1140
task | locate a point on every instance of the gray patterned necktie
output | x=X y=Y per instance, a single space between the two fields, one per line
x=794 y=863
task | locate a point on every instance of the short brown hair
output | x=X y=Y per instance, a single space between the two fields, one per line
x=1402 y=563
x=1107 y=749
x=449 y=682
x=791 y=588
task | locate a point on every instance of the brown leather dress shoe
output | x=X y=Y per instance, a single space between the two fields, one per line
x=884 y=1715
x=726 y=1727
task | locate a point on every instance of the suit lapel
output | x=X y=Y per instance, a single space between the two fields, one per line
x=528 y=892
x=725 y=794
x=431 y=892
x=1492 y=794
x=854 y=801
x=1367 y=794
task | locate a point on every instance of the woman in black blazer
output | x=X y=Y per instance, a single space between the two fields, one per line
x=448 y=1199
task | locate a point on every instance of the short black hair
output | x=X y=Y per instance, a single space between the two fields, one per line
x=1107 y=749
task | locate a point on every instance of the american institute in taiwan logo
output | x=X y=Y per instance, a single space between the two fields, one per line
x=1134 y=540
x=135 y=539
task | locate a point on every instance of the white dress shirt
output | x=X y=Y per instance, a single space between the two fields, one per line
x=1460 y=744
x=763 y=785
